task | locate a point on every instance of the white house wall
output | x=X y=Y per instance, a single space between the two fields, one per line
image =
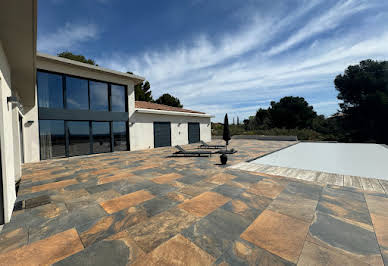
x=7 y=137
x=31 y=133
x=142 y=131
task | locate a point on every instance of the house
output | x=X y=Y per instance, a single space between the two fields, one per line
x=52 y=107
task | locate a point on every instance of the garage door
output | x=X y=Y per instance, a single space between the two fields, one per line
x=162 y=134
x=194 y=133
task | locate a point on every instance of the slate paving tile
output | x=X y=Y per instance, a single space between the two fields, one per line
x=308 y=191
x=216 y=232
x=161 y=227
x=204 y=203
x=196 y=189
x=177 y=247
x=166 y=178
x=106 y=226
x=280 y=234
x=378 y=211
x=14 y=239
x=313 y=254
x=254 y=201
x=160 y=189
x=126 y=201
x=191 y=178
x=241 y=208
x=244 y=253
x=64 y=222
x=177 y=196
x=345 y=204
x=44 y=252
x=267 y=188
x=103 y=187
x=228 y=191
x=333 y=233
x=220 y=178
x=102 y=253
x=158 y=205
x=294 y=206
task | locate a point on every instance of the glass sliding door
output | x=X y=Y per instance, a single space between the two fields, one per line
x=52 y=139
x=101 y=137
x=120 y=142
x=79 y=137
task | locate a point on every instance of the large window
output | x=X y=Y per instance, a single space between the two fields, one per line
x=77 y=93
x=118 y=98
x=52 y=139
x=120 y=142
x=79 y=137
x=50 y=93
x=95 y=119
x=99 y=96
x=101 y=137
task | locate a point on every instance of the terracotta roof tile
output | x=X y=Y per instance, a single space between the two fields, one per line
x=156 y=106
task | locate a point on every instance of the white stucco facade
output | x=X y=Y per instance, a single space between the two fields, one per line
x=19 y=119
x=9 y=165
x=142 y=129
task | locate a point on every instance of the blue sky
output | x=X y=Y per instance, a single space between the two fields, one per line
x=223 y=55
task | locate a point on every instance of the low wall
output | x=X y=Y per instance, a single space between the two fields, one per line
x=262 y=137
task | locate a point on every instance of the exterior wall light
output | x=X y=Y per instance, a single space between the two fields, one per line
x=14 y=100
x=29 y=123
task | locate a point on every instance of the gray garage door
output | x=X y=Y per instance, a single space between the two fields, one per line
x=194 y=133
x=162 y=134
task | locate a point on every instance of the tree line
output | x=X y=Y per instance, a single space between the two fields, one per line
x=361 y=117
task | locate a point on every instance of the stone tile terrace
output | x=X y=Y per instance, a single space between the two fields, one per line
x=145 y=208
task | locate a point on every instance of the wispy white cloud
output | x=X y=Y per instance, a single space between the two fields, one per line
x=67 y=37
x=264 y=60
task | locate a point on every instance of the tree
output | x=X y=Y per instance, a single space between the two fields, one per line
x=238 y=121
x=291 y=112
x=263 y=119
x=363 y=88
x=77 y=57
x=169 y=100
x=143 y=92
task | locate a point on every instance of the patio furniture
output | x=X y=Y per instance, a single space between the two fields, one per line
x=204 y=145
x=186 y=153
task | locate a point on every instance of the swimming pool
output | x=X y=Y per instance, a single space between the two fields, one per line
x=364 y=160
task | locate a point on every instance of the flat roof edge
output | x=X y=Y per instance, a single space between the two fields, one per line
x=44 y=56
x=163 y=112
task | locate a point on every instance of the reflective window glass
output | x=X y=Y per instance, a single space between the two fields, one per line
x=101 y=137
x=120 y=136
x=79 y=137
x=50 y=90
x=51 y=139
x=118 y=98
x=99 y=96
x=77 y=93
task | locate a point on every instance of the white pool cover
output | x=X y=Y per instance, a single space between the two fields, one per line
x=365 y=160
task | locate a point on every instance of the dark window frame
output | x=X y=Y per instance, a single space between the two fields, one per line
x=64 y=75
x=112 y=118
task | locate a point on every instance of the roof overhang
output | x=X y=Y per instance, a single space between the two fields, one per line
x=161 y=112
x=18 y=22
x=43 y=59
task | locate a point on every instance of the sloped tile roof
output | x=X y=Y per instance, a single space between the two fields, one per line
x=156 y=106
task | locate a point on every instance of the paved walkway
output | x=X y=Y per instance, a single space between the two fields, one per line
x=356 y=182
x=144 y=208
